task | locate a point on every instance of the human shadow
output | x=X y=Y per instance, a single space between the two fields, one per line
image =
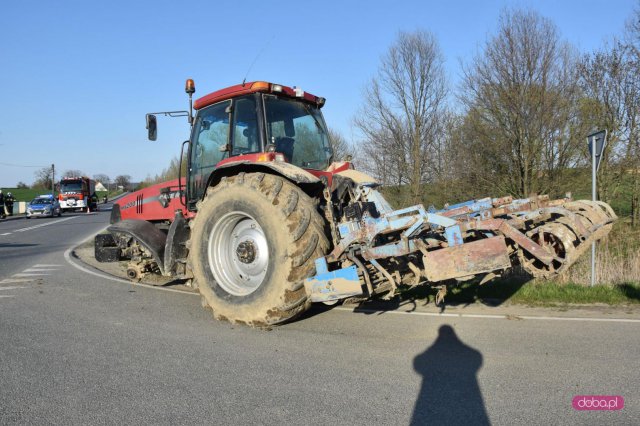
x=450 y=393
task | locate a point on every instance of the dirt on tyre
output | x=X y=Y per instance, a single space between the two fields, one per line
x=253 y=242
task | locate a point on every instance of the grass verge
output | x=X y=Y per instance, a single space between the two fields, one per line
x=532 y=293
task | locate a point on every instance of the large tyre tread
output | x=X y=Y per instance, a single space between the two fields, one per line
x=306 y=228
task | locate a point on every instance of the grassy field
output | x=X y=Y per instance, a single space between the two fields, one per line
x=28 y=194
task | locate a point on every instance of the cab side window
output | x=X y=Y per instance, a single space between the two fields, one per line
x=245 y=127
x=211 y=135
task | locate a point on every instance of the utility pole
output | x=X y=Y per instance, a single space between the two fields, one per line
x=53 y=180
x=596 y=142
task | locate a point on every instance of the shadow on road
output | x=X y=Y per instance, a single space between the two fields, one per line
x=630 y=291
x=315 y=309
x=493 y=293
x=16 y=245
x=450 y=393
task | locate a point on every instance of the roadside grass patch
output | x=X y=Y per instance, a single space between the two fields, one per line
x=532 y=292
x=548 y=293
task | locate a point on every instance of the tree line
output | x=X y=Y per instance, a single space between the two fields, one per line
x=526 y=103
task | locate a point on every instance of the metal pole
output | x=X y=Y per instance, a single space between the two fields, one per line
x=53 y=180
x=593 y=196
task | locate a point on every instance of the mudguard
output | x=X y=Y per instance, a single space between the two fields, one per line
x=175 y=249
x=150 y=237
x=289 y=171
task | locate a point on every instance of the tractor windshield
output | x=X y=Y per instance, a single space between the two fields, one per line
x=298 y=131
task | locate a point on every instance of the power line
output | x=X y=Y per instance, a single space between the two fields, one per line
x=20 y=165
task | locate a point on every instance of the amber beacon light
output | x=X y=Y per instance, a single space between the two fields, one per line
x=190 y=86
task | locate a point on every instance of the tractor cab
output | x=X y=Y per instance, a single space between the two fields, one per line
x=257 y=122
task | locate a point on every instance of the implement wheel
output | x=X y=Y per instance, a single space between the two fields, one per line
x=557 y=240
x=254 y=241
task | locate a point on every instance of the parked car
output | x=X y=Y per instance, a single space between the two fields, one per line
x=43 y=205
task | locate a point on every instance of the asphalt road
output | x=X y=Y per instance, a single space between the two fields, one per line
x=76 y=348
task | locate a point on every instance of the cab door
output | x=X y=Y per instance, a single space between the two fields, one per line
x=210 y=144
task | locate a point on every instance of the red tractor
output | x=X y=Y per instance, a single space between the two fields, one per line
x=267 y=222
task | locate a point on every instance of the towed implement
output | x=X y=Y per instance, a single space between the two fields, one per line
x=265 y=222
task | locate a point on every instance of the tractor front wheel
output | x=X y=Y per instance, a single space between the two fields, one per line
x=254 y=241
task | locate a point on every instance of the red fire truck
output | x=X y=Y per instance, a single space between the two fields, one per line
x=78 y=193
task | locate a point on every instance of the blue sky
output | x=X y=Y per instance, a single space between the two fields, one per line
x=77 y=77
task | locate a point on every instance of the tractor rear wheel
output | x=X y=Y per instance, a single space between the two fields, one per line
x=254 y=241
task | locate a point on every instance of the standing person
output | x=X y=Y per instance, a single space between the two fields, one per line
x=8 y=202
x=2 y=213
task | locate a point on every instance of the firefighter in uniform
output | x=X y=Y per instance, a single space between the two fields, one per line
x=8 y=202
x=2 y=213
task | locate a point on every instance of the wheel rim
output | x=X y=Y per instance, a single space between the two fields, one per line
x=238 y=253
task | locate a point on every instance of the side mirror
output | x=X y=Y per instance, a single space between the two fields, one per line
x=152 y=127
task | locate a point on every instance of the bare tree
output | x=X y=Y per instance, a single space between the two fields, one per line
x=610 y=86
x=521 y=95
x=632 y=45
x=403 y=111
x=102 y=178
x=341 y=148
x=73 y=173
x=632 y=33
x=43 y=178
x=124 y=181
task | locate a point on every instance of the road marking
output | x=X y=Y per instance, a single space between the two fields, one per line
x=45 y=224
x=11 y=288
x=580 y=319
x=45 y=266
x=4 y=297
x=29 y=275
x=487 y=316
x=40 y=269
x=16 y=280
x=6 y=233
